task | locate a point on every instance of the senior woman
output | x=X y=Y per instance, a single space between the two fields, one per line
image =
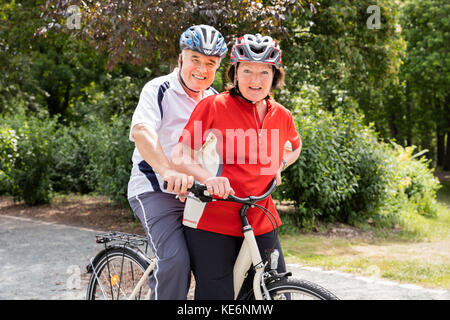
x=247 y=133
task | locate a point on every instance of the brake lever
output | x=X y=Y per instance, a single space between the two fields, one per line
x=198 y=191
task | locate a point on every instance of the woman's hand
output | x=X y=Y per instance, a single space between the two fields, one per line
x=289 y=157
x=219 y=186
x=278 y=176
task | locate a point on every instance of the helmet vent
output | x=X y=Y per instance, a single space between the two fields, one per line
x=257 y=50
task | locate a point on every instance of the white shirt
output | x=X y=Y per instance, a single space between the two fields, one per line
x=166 y=107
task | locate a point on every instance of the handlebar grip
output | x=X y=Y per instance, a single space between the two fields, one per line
x=199 y=189
x=196 y=185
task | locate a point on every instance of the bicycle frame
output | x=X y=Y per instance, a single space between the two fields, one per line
x=248 y=255
x=142 y=281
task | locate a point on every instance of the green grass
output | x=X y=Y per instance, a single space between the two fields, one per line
x=443 y=195
x=429 y=229
x=381 y=259
x=418 y=272
x=419 y=254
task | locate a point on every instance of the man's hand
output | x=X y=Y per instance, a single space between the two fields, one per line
x=219 y=186
x=177 y=182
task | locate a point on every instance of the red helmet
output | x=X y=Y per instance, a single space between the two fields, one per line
x=256 y=48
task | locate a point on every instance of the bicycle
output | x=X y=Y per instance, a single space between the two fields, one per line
x=122 y=269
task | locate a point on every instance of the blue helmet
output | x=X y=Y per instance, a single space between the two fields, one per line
x=204 y=39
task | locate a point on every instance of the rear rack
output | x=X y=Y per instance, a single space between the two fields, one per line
x=122 y=238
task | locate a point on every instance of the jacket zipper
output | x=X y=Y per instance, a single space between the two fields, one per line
x=257 y=125
x=262 y=123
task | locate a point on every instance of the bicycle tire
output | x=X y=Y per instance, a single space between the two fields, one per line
x=118 y=269
x=284 y=289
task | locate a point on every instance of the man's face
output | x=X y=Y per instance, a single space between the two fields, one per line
x=198 y=70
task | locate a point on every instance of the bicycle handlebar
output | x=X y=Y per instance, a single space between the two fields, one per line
x=199 y=189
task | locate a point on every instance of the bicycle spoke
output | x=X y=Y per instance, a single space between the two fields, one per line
x=119 y=289
x=98 y=279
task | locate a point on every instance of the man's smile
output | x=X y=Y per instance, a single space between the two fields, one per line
x=198 y=77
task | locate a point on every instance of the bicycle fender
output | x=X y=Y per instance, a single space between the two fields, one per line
x=94 y=261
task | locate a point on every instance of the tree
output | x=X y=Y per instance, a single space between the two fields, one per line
x=41 y=74
x=338 y=51
x=147 y=32
x=426 y=28
x=53 y=72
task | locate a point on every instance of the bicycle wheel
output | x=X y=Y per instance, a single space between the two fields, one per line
x=294 y=289
x=116 y=274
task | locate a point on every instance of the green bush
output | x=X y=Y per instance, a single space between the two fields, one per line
x=110 y=154
x=29 y=157
x=95 y=157
x=71 y=160
x=414 y=180
x=346 y=174
x=114 y=96
x=8 y=155
x=39 y=157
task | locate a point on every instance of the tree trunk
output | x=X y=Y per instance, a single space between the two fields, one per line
x=225 y=80
x=173 y=63
x=409 y=107
x=408 y=120
x=440 y=132
x=392 y=127
x=447 y=153
x=447 y=129
x=440 y=147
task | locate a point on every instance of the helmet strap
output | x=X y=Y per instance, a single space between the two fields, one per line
x=182 y=80
x=241 y=96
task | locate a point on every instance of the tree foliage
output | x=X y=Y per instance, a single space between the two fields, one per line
x=337 y=51
x=146 y=32
x=426 y=28
x=346 y=174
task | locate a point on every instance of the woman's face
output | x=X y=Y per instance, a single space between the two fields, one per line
x=198 y=70
x=254 y=80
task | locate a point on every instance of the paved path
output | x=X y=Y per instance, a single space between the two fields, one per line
x=46 y=261
x=41 y=260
